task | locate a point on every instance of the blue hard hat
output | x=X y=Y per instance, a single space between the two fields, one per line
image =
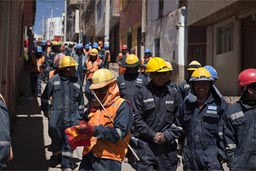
x=44 y=42
x=212 y=71
x=106 y=47
x=95 y=45
x=147 y=50
x=87 y=46
x=39 y=49
x=79 y=46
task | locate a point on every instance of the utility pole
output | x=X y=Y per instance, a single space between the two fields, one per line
x=106 y=30
x=65 y=22
x=51 y=27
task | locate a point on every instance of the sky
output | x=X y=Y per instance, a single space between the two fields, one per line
x=43 y=11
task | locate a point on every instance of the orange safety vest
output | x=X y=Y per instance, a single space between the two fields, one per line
x=103 y=148
x=39 y=63
x=92 y=67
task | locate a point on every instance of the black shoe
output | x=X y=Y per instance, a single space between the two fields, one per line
x=56 y=157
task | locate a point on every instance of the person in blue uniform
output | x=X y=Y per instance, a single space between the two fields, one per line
x=132 y=80
x=5 y=137
x=155 y=107
x=239 y=127
x=62 y=100
x=199 y=119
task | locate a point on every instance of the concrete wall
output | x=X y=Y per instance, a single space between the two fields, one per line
x=11 y=48
x=100 y=23
x=130 y=21
x=227 y=64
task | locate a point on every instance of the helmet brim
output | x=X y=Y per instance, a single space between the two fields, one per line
x=200 y=79
x=192 y=69
x=160 y=70
x=132 y=65
x=102 y=84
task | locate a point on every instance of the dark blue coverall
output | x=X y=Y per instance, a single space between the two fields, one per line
x=65 y=111
x=155 y=109
x=129 y=84
x=203 y=147
x=50 y=60
x=81 y=68
x=184 y=88
x=240 y=136
x=5 y=138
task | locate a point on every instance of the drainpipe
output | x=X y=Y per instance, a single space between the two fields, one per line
x=106 y=30
x=143 y=27
x=182 y=42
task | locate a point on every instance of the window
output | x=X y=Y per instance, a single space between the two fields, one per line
x=161 y=9
x=138 y=41
x=99 y=10
x=224 y=42
x=157 y=47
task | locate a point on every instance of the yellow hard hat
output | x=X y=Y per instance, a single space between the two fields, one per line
x=94 y=52
x=55 y=43
x=132 y=61
x=157 y=64
x=169 y=65
x=101 y=78
x=67 y=61
x=193 y=65
x=201 y=74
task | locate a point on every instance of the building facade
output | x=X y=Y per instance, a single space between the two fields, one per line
x=225 y=38
x=54 y=28
x=15 y=26
x=166 y=34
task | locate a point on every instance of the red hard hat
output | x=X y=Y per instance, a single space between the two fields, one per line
x=247 y=77
x=124 y=47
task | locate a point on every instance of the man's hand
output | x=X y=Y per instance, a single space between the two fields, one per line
x=86 y=129
x=159 y=138
x=11 y=154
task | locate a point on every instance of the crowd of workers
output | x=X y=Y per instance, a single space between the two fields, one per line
x=142 y=114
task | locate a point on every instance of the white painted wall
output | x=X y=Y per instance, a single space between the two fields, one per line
x=227 y=64
x=172 y=38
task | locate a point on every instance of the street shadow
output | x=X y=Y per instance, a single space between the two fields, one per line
x=56 y=164
x=27 y=131
x=28 y=145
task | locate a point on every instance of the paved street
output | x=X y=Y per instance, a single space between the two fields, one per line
x=30 y=135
